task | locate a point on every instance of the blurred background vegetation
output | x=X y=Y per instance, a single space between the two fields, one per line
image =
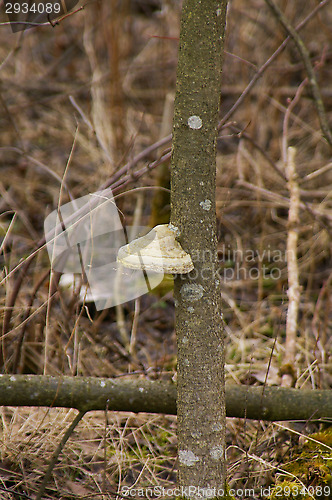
x=81 y=101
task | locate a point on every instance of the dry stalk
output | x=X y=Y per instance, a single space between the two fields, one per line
x=54 y=276
x=293 y=271
x=133 y=336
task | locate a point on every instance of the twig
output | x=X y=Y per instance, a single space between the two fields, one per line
x=132 y=346
x=54 y=278
x=114 y=183
x=293 y=102
x=284 y=201
x=48 y=23
x=91 y=127
x=132 y=163
x=57 y=452
x=267 y=157
x=26 y=317
x=292 y=32
x=268 y=63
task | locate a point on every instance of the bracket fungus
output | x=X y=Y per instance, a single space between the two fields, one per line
x=156 y=251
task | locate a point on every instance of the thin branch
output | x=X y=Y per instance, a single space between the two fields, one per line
x=57 y=452
x=284 y=201
x=245 y=135
x=289 y=110
x=262 y=69
x=292 y=33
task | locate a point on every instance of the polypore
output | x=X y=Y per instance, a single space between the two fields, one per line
x=156 y=251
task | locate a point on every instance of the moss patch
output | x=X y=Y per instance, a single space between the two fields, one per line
x=312 y=469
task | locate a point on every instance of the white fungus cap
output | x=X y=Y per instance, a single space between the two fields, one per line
x=156 y=251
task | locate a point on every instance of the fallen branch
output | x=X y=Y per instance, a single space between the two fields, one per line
x=141 y=395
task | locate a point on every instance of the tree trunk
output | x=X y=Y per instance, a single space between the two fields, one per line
x=200 y=381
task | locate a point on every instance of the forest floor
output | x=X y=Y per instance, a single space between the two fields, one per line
x=80 y=101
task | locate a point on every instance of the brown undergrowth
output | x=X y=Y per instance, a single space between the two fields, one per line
x=80 y=101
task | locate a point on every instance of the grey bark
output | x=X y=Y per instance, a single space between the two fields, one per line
x=200 y=398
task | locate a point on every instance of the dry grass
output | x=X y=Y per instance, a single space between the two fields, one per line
x=77 y=103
